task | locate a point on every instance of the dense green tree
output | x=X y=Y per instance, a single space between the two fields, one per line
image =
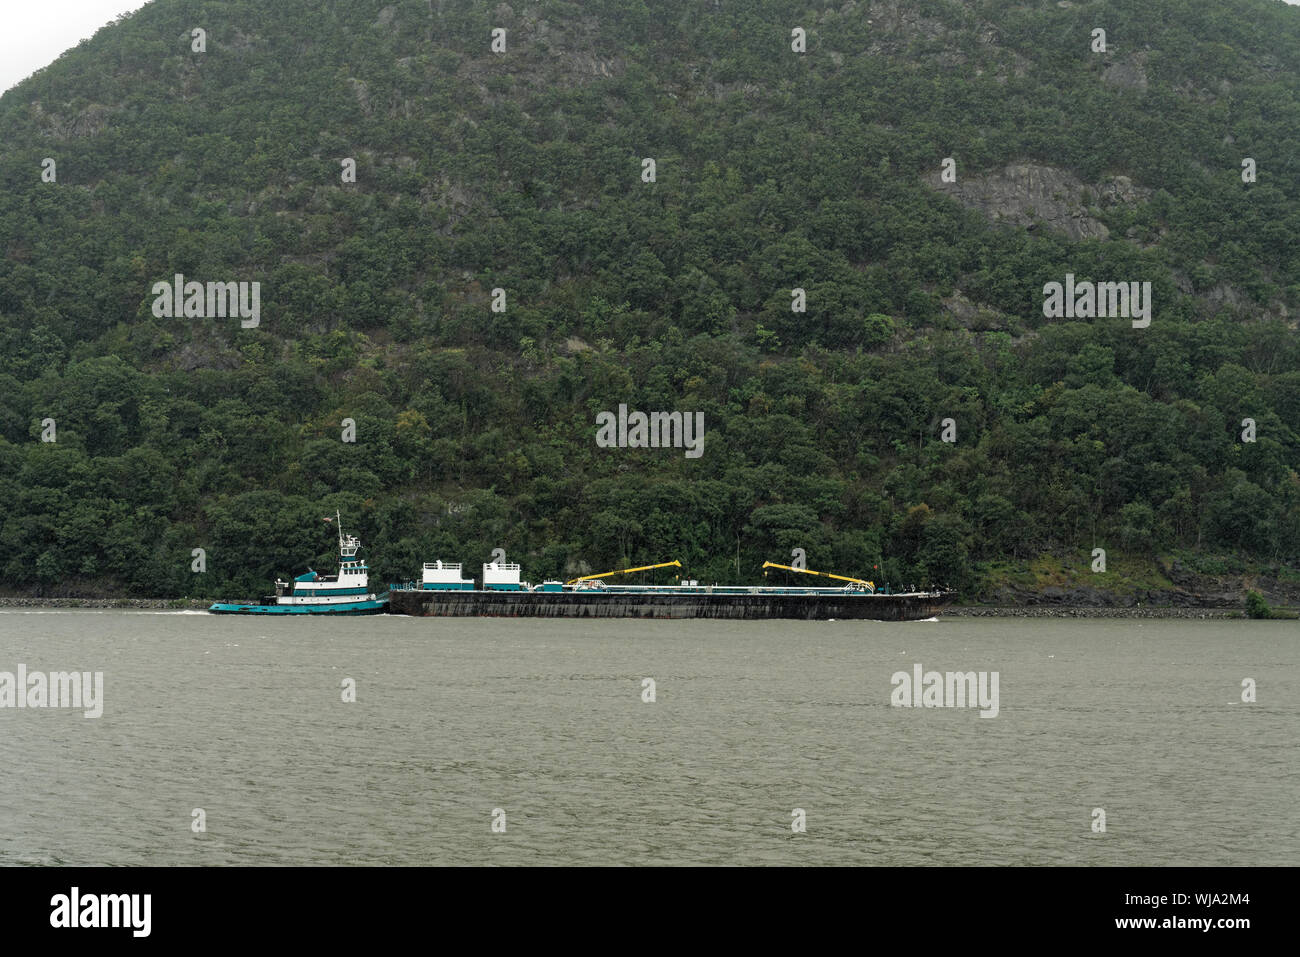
x=475 y=429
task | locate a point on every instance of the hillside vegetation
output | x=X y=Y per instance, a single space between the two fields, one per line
x=774 y=170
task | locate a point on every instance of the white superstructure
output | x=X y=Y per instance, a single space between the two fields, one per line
x=445 y=575
x=502 y=576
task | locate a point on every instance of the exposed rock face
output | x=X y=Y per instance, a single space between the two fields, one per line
x=1224 y=295
x=895 y=25
x=190 y=357
x=569 y=51
x=900 y=21
x=89 y=122
x=973 y=315
x=1028 y=194
x=362 y=92
x=1127 y=72
x=573 y=46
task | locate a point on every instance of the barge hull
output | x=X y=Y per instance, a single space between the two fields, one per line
x=475 y=604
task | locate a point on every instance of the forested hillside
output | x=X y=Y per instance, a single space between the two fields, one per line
x=774 y=170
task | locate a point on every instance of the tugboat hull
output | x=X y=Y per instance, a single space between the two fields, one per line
x=350 y=608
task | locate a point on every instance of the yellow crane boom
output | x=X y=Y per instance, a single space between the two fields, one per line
x=625 y=571
x=809 y=571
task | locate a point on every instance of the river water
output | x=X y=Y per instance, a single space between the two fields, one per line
x=545 y=723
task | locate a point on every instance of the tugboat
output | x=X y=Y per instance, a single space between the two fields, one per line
x=345 y=593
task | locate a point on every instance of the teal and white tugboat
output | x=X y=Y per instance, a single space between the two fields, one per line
x=346 y=593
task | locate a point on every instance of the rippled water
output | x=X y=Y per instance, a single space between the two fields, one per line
x=545 y=720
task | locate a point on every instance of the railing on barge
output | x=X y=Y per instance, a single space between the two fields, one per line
x=711 y=590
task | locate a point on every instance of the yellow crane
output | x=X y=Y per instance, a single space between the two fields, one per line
x=809 y=571
x=625 y=571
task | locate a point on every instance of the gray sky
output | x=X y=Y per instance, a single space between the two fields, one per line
x=34 y=32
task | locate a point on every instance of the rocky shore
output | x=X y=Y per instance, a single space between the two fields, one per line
x=1063 y=611
x=153 y=604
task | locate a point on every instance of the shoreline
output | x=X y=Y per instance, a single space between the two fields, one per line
x=952 y=611
x=1095 y=611
x=151 y=604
